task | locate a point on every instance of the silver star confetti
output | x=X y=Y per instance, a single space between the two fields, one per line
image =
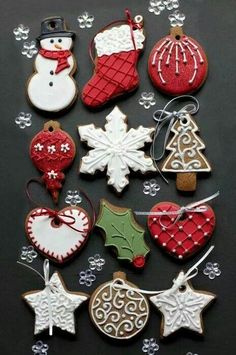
x=147 y=100
x=23 y=120
x=21 y=32
x=28 y=254
x=29 y=49
x=40 y=348
x=156 y=6
x=73 y=198
x=96 y=262
x=171 y=4
x=86 y=277
x=150 y=346
x=85 y=20
x=151 y=187
x=212 y=270
x=176 y=18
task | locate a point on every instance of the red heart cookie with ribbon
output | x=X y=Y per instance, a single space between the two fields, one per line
x=58 y=235
x=181 y=235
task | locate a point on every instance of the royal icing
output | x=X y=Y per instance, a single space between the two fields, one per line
x=177 y=64
x=181 y=307
x=184 y=237
x=54 y=304
x=116 y=148
x=52 y=88
x=123 y=233
x=118 y=313
x=61 y=240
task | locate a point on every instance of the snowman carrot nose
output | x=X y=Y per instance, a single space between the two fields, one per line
x=57 y=46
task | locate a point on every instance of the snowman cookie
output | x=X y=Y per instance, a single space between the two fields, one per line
x=51 y=87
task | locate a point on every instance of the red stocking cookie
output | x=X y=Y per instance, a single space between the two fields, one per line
x=52 y=150
x=118 y=49
x=177 y=63
x=181 y=234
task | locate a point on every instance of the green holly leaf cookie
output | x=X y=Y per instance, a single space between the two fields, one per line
x=123 y=232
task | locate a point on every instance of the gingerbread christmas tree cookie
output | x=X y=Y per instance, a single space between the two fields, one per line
x=123 y=233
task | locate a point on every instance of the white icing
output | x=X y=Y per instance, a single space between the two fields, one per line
x=181 y=309
x=60 y=241
x=184 y=145
x=56 y=43
x=119 y=313
x=63 y=304
x=118 y=39
x=116 y=149
x=62 y=93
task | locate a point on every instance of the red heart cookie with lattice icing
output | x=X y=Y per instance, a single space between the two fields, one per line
x=58 y=237
x=184 y=237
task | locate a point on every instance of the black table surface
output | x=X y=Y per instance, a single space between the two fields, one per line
x=212 y=23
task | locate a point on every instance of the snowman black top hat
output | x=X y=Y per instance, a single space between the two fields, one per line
x=54 y=27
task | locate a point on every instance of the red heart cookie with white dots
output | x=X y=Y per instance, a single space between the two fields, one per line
x=184 y=237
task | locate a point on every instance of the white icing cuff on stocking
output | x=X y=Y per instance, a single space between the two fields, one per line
x=118 y=39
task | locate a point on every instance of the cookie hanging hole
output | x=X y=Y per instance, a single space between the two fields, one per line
x=56 y=223
x=52 y=25
x=51 y=129
x=182 y=288
x=177 y=37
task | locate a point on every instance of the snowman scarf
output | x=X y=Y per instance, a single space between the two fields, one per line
x=60 y=56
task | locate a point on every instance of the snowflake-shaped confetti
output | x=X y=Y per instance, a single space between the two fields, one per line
x=151 y=187
x=147 y=99
x=23 y=120
x=29 y=49
x=156 y=6
x=86 y=277
x=65 y=147
x=171 y=4
x=189 y=353
x=96 y=262
x=73 y=198
x=116 y=148
x=28 y=254
x=40 y=348
x=212 y=270
x=176 y=18
x=85 y=20
x=150 y=346
x=21 y=32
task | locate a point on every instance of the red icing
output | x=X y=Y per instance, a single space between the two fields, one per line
x=115 y=75
x=52 y=162
x=60 y=56
x=185 y=232
x=177 y=84
x=139 y=261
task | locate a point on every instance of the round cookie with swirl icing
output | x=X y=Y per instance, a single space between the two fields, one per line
x=116 y=311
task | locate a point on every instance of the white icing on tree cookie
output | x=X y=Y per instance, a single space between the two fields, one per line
x=116 y=148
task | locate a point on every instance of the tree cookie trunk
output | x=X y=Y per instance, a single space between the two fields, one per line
x=186 y=181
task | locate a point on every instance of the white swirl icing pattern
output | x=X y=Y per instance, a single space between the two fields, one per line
x=119 y=313
x=118 y=39
x=63 y=304
x=186 y=149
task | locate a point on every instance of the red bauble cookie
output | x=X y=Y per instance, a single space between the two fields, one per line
x=52 y=150
x=184 y=237
x=177 y=64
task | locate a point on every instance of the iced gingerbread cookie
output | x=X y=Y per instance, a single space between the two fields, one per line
x=177 y=63
x=123 y=233
x=116 y=149
x=58 y=235
x=117 y=312
x=52 y=150
x=182 y=306
x=118 y=49
x=51 y=87
x=182 y=237
x=54 y=306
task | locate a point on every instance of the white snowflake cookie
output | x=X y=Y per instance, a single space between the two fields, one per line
x=116 y=149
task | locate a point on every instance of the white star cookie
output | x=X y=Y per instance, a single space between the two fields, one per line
x=181 y=307
x=116 y=149
x=63 y=304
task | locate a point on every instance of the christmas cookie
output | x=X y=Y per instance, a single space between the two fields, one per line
x=116 y=149
x=58 y=235
x=181 y=237
x=181 y=307
x=117 y=312
x=118 y=49
x=54 y=306
x=185 y=158
x=51 y=87
x=177 y=64
x=52 y=150
x=123 y=233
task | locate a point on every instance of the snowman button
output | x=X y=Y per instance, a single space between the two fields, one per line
x=51 y=72
x=51 y=83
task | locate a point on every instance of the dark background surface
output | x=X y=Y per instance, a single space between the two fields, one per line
x=210 y=22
